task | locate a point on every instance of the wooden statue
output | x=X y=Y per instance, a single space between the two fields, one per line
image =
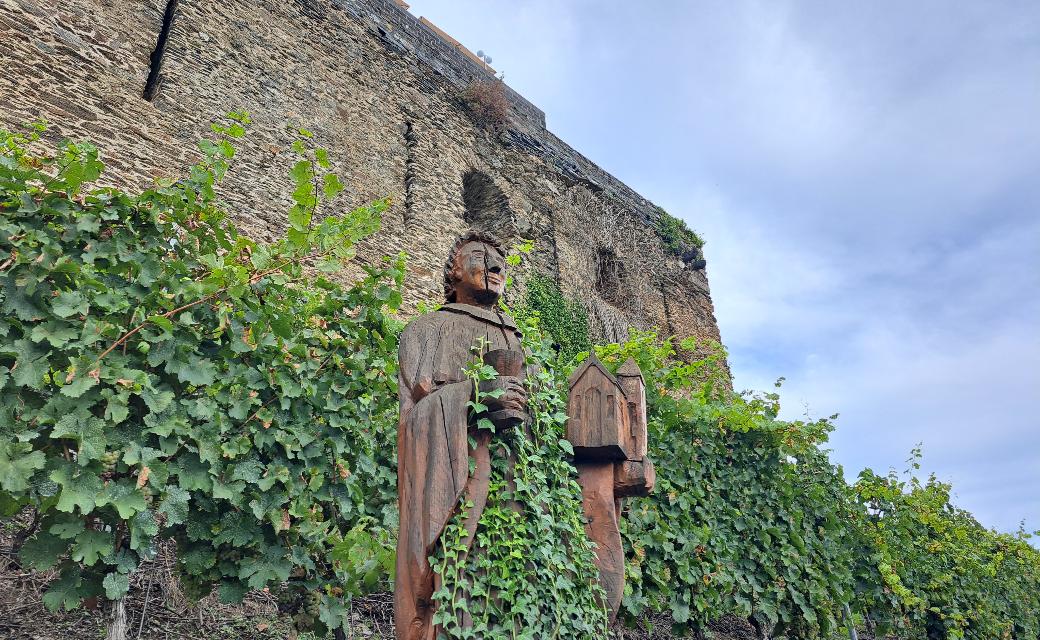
x=433 y=442
x=607 y=428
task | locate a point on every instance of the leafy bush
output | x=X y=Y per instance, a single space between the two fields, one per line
x=162 y=375
x=750 y=518
x=747 y=515
x=925 y=566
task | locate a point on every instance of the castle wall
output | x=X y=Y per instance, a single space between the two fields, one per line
x=381 y=92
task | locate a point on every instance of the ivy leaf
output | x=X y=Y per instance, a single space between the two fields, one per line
x=43 y=551
x=70 y=303
x=90 y=546
x=18 y=463
x=116 y=585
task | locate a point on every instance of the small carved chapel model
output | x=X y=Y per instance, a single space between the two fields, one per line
x=607 y=427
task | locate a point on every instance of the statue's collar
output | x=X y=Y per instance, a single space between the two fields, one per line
x=480 y=313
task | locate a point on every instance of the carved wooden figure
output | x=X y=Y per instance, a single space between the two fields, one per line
x=433 y=442
x=607 y=428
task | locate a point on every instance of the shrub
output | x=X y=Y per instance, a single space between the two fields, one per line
x=163 y=376
x=678 y=238
x=487 y=102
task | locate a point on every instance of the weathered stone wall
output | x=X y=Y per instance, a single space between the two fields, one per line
x=382 y=94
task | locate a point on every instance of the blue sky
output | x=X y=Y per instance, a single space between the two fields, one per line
x=867 y=178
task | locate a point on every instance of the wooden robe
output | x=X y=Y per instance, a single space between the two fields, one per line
x=433 y=449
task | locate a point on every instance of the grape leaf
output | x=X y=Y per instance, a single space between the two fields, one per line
x=81 y=383
x=90 y=546
x=235 y=530
x=232 y=591
x=271 y=567
x=86 y=430
x=196 y=560
x=30 y=366
x=116 y=585
x=69 y=527
x=175 y=505
x=125 y=497
x=143 y=529
x=157 y=400
x=69 y=303
x=78 y=488
x=18 y=462
x=43 y=550
x=66 y=591
x=55 y=332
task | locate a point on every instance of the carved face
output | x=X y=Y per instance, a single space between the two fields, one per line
x=479 y=274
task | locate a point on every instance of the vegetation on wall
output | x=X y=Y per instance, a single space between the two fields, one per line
x=677 y=237
x=487 y=102
x=564 y=320
x=162 y=376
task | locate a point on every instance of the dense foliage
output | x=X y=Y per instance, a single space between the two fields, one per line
x=677 y=237
x=564 y=320
x=531 y=573
x=925 y=566
x=162 y=376
x=751 y=518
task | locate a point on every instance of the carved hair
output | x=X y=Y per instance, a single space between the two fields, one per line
x=449 y=265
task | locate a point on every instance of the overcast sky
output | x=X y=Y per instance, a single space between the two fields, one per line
x=867 y=179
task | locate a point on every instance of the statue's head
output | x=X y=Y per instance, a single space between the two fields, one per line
x=475 y=271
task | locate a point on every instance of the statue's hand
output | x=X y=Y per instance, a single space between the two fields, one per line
x=513 y=396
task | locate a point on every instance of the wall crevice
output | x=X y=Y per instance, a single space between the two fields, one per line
x=411 y=141
x=151 y=86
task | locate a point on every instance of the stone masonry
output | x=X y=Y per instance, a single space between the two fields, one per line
x=382 y=92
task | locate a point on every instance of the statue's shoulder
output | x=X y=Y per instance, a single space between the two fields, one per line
x=425 y=323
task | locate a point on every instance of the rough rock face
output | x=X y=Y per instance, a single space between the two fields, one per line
x=382 y=92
